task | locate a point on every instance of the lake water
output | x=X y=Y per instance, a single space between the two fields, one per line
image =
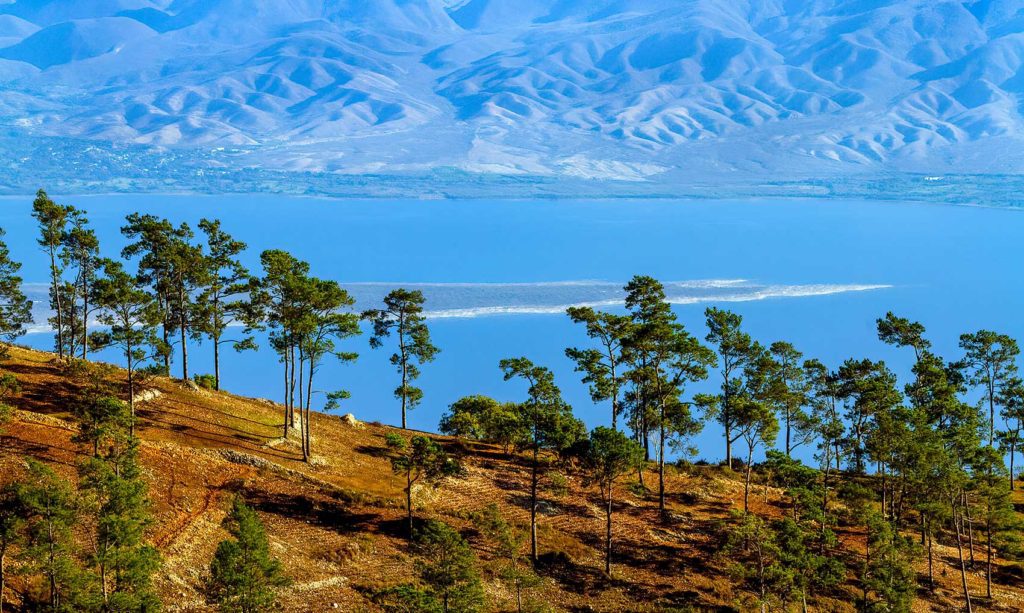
x=499 y=273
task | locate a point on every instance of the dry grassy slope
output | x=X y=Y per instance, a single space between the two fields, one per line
x=336 y=524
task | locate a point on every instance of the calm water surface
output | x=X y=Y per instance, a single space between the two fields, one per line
x=496 y=271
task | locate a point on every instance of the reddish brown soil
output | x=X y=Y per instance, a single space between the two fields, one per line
x=337 y=524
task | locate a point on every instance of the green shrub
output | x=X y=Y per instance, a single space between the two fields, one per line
x=207 y=382
x=405 y=598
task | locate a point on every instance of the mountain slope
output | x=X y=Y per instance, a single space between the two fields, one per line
x=565 y=88
x=337 y=524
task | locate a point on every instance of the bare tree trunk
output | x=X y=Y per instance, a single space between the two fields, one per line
x=183 y=323
x=85 y=319
x=216 y=363
x=988 y=555
x=285 y=359
x=957 y=524
x=3 y=575
x=746 y=479
x=728 y=445
x=727 y=416
x=661 y=462
x=615 y=393
x=970 y=528
x=824 y=502
x=302 y=379
x=103 y=583
x=788 y=428
x=408 y=498
x=533 y=506
x=931 y=570
x=608 y=536
x=131 y=389
x=1013 y=452
x=309 y=405
x=403 y=352
x=291 y=387
x=57 y=302
x=646 y=430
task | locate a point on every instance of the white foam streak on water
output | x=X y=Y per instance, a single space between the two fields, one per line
x=774 y=291
x=471 y=300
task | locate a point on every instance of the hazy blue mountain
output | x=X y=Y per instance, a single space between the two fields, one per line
x=628 y=89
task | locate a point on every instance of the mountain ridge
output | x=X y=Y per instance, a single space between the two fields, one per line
x=616 y=89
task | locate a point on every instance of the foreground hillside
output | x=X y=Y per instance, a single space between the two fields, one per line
x=337 y=523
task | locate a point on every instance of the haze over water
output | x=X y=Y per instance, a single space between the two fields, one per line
x=498 y=275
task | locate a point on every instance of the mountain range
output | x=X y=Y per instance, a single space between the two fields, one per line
x=632 y=90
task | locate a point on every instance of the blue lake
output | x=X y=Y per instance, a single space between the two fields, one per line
x=497 y=273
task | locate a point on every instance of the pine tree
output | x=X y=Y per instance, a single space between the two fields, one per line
x=112 y=482
x=80 y=253
x=733 y=347
x=547 y=424
x=751 y=551
x=220 y=302
x=508 y=541
x=131 y=315
x=808 y=572
x=609 y=455
x=888 y=577
x=753 y=418
x=403 y=315
x=449 y=568
x=990 y=364
x=869 y=389
x=49 y=508
x=823 y=395
x=323 y=322
x=997 y=510
x=244 y=576
x=102 y=421
x=1011 y=439
x=52 y=219
x=603 y=368
x=276 y=303
x=174 y=268
x=666 y=358
x=12 y=524
x=15 y=308
x=419 y=460
x=790 y=396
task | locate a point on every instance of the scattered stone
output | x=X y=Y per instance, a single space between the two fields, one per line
x=46 y=420
x=192 y=385
x=237 y=457
x=545 y=507
x=351 y=421
x=148 y=395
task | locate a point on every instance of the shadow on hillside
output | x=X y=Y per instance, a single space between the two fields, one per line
x=328 y=514
x=45 y=398
x=373 y=451
x=488 y=453
x=689 y=500
x=151 y=419
x=688 y=600
x=574 y=577
x=1008 y=574
x=41 y=451
x=166 y=410
x=276 y=427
